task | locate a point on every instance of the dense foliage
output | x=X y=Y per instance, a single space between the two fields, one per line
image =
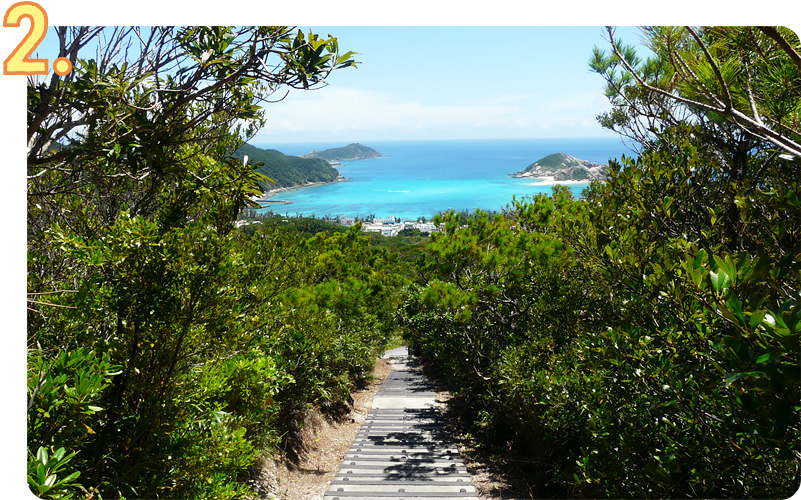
x=285 y=170
x=166 y=350
x=640 y=342
x=644 y=341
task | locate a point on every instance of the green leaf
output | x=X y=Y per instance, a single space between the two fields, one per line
x=71 y=477
x=51 y=480
x=698 y=276
x=763 y=358
x=700 y=258
x=41 y=455
x=736 y=307
x=731 y=378
x=41 y=473
x=781 y=327
x=719 y=280
x=756 y=319
x=726 y=266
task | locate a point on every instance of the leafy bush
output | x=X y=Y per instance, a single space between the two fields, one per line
x=625 y=345
x=643 y=342
x=160 y=339
x=46 y=474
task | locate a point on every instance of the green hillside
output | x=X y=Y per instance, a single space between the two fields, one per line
x=353 y=151
x=557 y=161
x=286 y=170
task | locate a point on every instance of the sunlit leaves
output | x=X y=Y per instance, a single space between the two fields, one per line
x=676 y=286
x=726 y=77
x=164 y=368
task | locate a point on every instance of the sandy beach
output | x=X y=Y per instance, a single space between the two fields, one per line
x=549 y=180
x=265 y=197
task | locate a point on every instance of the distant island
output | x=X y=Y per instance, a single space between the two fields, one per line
x=350 y=152
x=293 y=172
x=563 y=167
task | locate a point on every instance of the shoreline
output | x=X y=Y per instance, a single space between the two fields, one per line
x=549 y=180
x=265 y=197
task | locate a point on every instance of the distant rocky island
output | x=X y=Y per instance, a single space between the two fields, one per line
x=350 y=152
x=563 y=167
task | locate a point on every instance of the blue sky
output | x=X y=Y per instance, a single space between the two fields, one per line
x=438 y=81
x=417 y=79
x=451 y=83
x=445 y=82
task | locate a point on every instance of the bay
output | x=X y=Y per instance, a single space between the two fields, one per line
x=421 y=178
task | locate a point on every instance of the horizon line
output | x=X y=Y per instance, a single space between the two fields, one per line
x=454 y=139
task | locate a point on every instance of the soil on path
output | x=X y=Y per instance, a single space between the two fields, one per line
x=324 y=445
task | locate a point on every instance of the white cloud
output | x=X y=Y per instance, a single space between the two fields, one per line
x=588 y=101
x=335 y=113
x=505 y=99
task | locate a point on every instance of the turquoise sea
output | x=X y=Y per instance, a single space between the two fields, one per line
x=421 y=178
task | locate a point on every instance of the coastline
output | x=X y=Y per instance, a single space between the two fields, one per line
x=471 y=174
x=265 y=196
x=549 y=180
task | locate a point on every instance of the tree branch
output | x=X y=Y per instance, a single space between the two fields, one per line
x=783 y=43
x=742 y=120
x=727 y=95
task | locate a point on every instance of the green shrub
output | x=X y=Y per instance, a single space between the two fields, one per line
x=624 y=346
x=47 y=477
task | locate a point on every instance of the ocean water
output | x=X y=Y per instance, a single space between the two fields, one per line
x=421 y=178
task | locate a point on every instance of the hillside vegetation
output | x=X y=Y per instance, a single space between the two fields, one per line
x=287 y=170
x=559 y=161
x=167 y=352
x=641 y=342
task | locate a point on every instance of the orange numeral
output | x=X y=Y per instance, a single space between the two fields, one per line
x=19 y=62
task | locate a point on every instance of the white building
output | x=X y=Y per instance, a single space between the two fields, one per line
x=346 y=221
x=387 y=228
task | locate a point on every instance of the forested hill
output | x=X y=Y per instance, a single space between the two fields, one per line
x=286 y=170
x=353 y=151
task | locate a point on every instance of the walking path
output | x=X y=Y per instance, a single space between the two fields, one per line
x=402 y=450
